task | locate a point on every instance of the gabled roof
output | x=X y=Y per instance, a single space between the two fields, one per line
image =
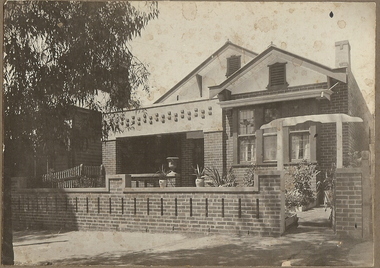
x=337 y=73
x=201 y=66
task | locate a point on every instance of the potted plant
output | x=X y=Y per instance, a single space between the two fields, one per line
x=200 y=176
x=214 y=179
x=162 y=176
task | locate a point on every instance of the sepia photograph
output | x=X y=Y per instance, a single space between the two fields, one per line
x=188 y=133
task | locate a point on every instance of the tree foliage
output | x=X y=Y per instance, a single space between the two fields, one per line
x=59 y=54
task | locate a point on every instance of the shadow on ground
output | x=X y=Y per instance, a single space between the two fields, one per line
x=312 y=243
x=246 y=252
x=28 y=235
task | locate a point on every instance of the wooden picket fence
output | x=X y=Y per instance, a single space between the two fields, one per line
x=77 y=177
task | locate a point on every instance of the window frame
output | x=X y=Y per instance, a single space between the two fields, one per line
x=259 y=139
x=291 y=134
x=241 y=136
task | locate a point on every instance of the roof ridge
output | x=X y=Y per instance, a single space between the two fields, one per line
x=266 y=51
x=194 y=71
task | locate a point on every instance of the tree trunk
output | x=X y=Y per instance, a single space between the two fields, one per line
x=7 y=255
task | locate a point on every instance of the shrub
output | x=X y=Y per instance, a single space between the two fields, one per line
x=301 y=194
x=249 y=177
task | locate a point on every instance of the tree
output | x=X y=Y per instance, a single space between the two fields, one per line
x=59 y=54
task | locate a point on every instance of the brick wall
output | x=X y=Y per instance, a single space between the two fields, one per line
x=327 y=132
x=349 y=202
x=357 y=106
x=184 y=209
x=109 y=156
x=187 y=147
x=213 y=150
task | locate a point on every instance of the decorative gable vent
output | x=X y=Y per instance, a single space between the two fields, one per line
x=233 y=64
x=277 y=76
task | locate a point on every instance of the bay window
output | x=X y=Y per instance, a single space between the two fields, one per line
x=253 y=145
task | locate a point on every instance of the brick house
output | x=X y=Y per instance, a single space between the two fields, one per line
x=215 y=116
x=271 y=109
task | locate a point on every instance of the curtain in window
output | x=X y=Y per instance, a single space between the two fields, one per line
x=300 y=147
x=247 y=149
x=270 y=148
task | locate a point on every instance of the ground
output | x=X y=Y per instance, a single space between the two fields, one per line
x=312 y=243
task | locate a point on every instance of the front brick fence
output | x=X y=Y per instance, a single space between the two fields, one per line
x=353 y=201
x=255 y=210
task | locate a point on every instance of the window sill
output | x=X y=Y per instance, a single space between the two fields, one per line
x=257 y=165
x=242 y=165
x=272 y=164
x=298 y=162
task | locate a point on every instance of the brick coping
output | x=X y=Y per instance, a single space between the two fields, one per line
x=126 y=186
x=192 y=190
x=349 y=170
x=146 y=190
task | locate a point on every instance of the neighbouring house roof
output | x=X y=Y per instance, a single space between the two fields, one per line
x=210 y=59
x=339 y=74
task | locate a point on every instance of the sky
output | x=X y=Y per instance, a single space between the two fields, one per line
x=187 y=33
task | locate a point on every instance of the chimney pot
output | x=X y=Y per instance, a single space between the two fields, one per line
x=342 y=54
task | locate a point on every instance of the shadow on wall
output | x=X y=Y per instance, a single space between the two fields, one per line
x=41 y=209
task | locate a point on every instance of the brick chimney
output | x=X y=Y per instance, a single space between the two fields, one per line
x=342 y=54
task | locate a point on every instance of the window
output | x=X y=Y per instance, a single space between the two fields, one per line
x=277 y=76
x=259 y=146
x=269 y=145
x=299 y=145
x=246 y=136
x=247 y=149
x=233 y=64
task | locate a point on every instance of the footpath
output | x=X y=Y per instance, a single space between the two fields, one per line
x=312 y=243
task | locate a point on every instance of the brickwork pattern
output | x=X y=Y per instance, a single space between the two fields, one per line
x=327 y=145
x=357 y=106
x=348 y=204
x=187 y=148
x=327 y=135
x=194 y=212
x=213 y=150
x=109 y=157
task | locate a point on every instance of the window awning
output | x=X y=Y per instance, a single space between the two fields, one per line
x=319 y=118
x=296 y=95
x=338 y=119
